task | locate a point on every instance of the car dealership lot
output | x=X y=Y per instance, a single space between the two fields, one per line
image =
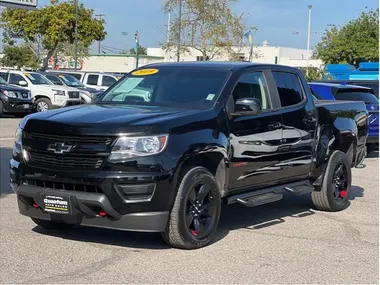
x=283 y=242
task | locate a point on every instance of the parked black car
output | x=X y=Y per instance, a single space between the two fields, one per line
x=15 y=100
x=165 y=146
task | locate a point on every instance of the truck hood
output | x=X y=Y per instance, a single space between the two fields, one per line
x=50 y=87
x=100 y=119
x=12 y=88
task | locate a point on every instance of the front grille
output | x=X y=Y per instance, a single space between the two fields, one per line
x=73 y=94
x=66 y=161
x=62 y=186
x=70 y=139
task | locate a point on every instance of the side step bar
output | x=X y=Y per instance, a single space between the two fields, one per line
x=269 y=195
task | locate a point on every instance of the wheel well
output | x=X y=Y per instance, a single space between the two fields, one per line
x=41 y=96
x=214 y=162
x=348 y=146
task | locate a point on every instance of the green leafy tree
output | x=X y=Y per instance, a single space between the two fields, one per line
x=56 y=25
x=208 y=26
x=354 y=42
x=142 y=50
x=18 y=56
x=314 y=73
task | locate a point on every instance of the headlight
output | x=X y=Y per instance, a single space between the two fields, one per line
x=58 y=92
x=9 y=94
x=86 y=93
x=130 y=147
x=18 y=136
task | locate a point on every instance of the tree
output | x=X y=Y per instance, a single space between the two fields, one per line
x=355 y=42
x=208 y=26
x=314 y=73
x=18 y=56
x=142 y=50
x=56 y=25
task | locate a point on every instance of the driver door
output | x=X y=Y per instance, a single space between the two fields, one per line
x=255 y=140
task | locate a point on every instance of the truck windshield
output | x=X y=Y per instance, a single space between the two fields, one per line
x=38 y=79
x=367 y=98
x=2 y=81
x=182 y=87
x=70 y=80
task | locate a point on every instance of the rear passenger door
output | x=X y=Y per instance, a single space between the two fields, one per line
x=299 y=124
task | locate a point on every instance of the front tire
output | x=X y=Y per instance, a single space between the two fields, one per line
x=49 y=225
x=336 y=186
x=43 y=105
x=195 y=214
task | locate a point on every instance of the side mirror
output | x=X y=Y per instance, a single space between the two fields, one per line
x=23 y=83
x=247 y=107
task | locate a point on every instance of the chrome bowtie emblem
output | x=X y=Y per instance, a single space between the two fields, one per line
x=60 y=147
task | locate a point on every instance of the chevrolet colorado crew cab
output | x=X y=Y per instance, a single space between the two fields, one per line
x=45 y=94
x=164 y=147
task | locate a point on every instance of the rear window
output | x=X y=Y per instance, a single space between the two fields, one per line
x=367 y=98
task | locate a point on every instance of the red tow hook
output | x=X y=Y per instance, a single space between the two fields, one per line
x=35 y=205
x=102 y=213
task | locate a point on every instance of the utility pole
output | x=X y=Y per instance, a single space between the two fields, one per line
x=169 y=27
x=137 y=48
x=76 y=34
x=100 y=17
x=308 y=41
x=179 y=29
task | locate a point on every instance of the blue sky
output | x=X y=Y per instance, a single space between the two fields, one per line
x=278 y=21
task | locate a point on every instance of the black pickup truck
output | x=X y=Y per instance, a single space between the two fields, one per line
x=165 y=146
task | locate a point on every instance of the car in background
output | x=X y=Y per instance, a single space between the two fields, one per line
x=86 y=93
x=335 y=91
x=46 y=95
x=99 y=81
x=373 y=84
x=15 y=101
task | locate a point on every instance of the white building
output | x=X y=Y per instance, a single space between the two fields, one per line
x=127 y=62
x=261 y=54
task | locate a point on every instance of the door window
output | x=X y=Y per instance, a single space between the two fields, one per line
x=253 y=85
x=108 y=80
x=15 y=78
x=289 y=88
x=92 y=79
x=54 y=79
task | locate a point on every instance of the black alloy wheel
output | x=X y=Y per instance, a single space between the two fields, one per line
x=201 y=210
x=340 y=181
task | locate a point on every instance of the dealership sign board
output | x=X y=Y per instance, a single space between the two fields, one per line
x=25 y=4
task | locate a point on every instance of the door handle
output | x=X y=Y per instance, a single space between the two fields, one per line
x=274 y=126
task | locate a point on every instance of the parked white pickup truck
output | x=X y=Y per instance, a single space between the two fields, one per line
x=46 y=95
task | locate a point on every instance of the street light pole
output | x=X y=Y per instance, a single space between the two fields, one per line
x=76 y=34
x=308 y=41
x=179 y=29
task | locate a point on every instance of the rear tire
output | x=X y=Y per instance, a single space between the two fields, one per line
x=195 y=215
x=49 y=225
x=1 y=108
x=371 y=147
x=43 y=105
x=336 y=186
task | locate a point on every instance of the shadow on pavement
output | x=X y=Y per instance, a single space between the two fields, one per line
x=5 y=156
x=233 y=217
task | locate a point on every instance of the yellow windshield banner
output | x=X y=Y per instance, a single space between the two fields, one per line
x=148 y=71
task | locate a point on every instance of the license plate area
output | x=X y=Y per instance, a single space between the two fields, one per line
x=57 y=204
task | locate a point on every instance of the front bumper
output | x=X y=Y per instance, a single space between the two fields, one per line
x=66 y=103
x=13 y=105
x=85 y=209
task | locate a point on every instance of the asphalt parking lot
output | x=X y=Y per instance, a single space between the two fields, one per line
x=284 y=242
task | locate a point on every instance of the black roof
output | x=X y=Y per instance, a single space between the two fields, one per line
x=216 y=64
